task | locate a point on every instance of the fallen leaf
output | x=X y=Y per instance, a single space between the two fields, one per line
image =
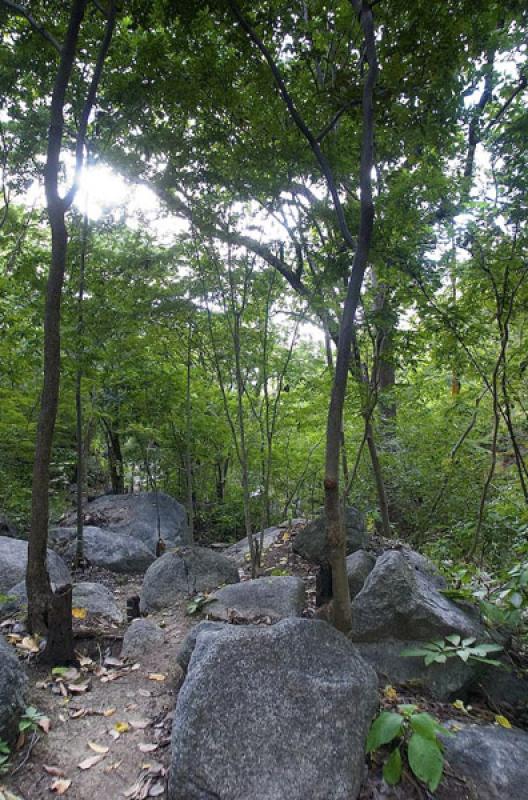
x=390 y=693
x=108 y=712
x=55 y=772
x=90 y=762
x=84 y=661
x=502 y=721
x=110 y=661
x=28 y=643
x=44 y=724
x=60 y=785
x=79 y=688
x=139 y=724
x=115 y=735
x=98 y=748
x=156 y=789
x=156 y=676
x=144 y=693
x=121 y=727
x=148 y=748
x=79 y=613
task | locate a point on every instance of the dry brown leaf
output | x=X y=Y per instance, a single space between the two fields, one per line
x=79 y=688
x=108 y=712
x=98 y=748
x=44 y=724
x=60 y=785
x=90 y=762
x=55 y=772
x=156 y=676
x=29 y=644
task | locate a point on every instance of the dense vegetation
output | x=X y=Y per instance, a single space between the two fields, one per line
x=198 y=357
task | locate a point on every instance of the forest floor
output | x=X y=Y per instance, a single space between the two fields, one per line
x=109 y=721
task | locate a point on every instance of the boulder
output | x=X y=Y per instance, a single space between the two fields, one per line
x=400 y=602
x=504 y=688
x=183 y=573
x=117 y=552
x=425 y=566
x=450 y=681
x=142 y=638
x=13 y=563
x=96 y=599
x=271 y=712
x=136 y=515
x=16 y=600
x=239 y=552
x=273 y=597
x=186 y=650
x=13 y=686
x=359 y=566
x=310 y=543
x=490 y=759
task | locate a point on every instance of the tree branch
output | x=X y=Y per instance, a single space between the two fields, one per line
x=21 y=11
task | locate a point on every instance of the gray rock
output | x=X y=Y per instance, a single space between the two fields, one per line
x=450 y=681
x=272 y=712
x=491 y=760
x=276 y=597
x=400 y=602
x=117 y=552
x=504 y=688
x=13 y=563
x=142 y=638
x=359 y=566
x=310 y=543
x=136 y=515
x=425 y=566
x=189 y=643
x=183 y=573
x=96 y=599
x=13 y=686
x=239 y=552
x=16 y=600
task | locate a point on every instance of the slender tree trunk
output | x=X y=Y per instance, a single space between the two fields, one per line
x=188 y=439
x=79 y=554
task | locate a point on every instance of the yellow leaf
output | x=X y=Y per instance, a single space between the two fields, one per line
x=79 y=613
x=390 y=693
x=502 y=721
x=121 y=727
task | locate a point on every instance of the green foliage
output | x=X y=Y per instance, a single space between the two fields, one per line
x=417 y=734
x=439 y=651
x=5 y=754
x=30 y=719
x=197 y=604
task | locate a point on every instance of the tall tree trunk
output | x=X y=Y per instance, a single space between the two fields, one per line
x=79 y=554
x=188 y=439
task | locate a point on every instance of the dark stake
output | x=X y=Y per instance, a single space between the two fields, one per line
x=59 y=646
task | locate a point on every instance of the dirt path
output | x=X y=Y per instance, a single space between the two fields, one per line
x=118 y=728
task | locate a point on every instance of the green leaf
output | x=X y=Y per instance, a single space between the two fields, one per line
x=426 y=760
x=454 y=638
x=386 y=727
x=425 y=725
x=392 y=769
x=407 y=709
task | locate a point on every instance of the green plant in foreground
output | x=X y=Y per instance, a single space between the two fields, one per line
x=5 y=753
x=30 y=720
x=439 y=651
x=417 y=733
x=197 y=604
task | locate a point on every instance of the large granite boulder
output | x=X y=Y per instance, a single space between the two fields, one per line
x=117 y=552
x=271 y=712
x=273 y=598
x=142 y=638
x=181 y=574
x=491 y=760
x=186 y=650
x=239 y=552
x=453 y=680
x=310 y=543
x=136 y=515
x=13 y=563
x=96 y=599
x=399 y=601
x=13 y=686
x=359 y=565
